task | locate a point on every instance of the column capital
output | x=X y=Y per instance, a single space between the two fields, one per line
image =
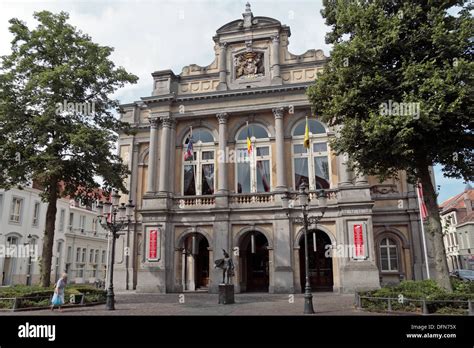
x=278 y=112
x=166 y=121
x=276 y=38
x=154 y=121
x=222 y=117
x=223 y=45
x=173 y=123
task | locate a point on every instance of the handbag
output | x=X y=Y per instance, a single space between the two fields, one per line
x=56 y=300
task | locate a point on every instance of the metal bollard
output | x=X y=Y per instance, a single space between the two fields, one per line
x=470 y=307
x=389 y=305
x=425 y=308
x=15 y=304
x=358 y=301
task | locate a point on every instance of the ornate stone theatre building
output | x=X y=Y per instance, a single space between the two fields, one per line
x=195 y=200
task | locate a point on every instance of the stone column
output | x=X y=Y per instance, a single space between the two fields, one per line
x=222 y=66
x=345 y=174
x=222 y=187
x=361 y=179
x=275 y=60
x=134 y=175
x=222 y=240
x=280 y=149
x=164 y=154
x=282 y=262
x=131 y=244
x=172 y=158
x=152 y=154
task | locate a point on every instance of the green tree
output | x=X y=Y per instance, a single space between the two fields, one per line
x=63 y=150
x=418 y=53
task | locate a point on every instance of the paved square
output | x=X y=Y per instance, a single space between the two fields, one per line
x=207 y=304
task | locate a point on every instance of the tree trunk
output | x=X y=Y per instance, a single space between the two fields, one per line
x=434 y=229
x=48 y=239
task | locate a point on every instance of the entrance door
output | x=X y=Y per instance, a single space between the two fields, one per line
x=7 y=271
x=320 y=266
x=202 y=265
x=9 y=267
x=256 y=261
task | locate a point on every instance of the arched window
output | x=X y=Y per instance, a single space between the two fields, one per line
x=311 y=165
x=198 y=163
x=12 y=241
x=388 y=255
x=253 y=159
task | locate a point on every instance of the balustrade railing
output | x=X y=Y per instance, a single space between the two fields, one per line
x=251 y=198
x=184 y=202
x=246 y=199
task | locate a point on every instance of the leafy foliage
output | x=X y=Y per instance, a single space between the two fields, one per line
x=49 y=67
x=57 y=123
x=404 y=52
x=399 y=92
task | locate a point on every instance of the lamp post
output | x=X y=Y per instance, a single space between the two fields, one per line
x=28 y=275
x=306 y=221
x=130 y=206
x=117 y=217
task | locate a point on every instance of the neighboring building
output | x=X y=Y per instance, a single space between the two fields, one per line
x=23 y=214
x=222 y=197
x=457 y=218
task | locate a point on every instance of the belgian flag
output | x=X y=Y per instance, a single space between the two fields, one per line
x=249 y=143
x=306 y=134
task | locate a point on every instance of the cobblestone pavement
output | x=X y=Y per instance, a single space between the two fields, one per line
x=207 y=304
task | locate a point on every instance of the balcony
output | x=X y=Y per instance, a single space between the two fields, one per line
x=194 y=202
x=247 y=200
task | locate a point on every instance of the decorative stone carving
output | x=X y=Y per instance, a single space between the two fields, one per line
x=278 y=112
x=166 y=121
x=222 y=117
x=384 y=189
x=248 y=16
x=154 y=122
x=249 y=65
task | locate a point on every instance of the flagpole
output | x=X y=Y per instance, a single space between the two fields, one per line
x=422 y=230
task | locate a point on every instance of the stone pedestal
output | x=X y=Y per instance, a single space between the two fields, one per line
x=226 y=294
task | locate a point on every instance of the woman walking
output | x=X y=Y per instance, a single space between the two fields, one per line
x=58 y=297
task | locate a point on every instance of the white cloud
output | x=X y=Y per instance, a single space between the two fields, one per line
x=157 y=35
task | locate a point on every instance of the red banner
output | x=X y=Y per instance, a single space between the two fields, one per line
x=359 y=240
x=153 y=245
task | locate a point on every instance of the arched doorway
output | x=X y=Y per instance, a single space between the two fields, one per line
x=254 y=262
x=320 y=266
x=195 y=263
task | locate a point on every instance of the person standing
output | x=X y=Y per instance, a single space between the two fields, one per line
x=58 y=297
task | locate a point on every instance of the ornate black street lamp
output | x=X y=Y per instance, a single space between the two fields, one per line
x=306 y=221
x=28 y=275
x=117 y=217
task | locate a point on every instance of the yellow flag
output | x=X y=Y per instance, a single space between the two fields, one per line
x=306 y=135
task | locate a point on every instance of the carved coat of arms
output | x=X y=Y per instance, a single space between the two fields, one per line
x=249 y=64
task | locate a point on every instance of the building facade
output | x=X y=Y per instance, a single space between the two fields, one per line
x=194 y=201
x=457 y=218
x=80 y=244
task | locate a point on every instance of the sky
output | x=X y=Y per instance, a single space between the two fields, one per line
x=150 y=35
